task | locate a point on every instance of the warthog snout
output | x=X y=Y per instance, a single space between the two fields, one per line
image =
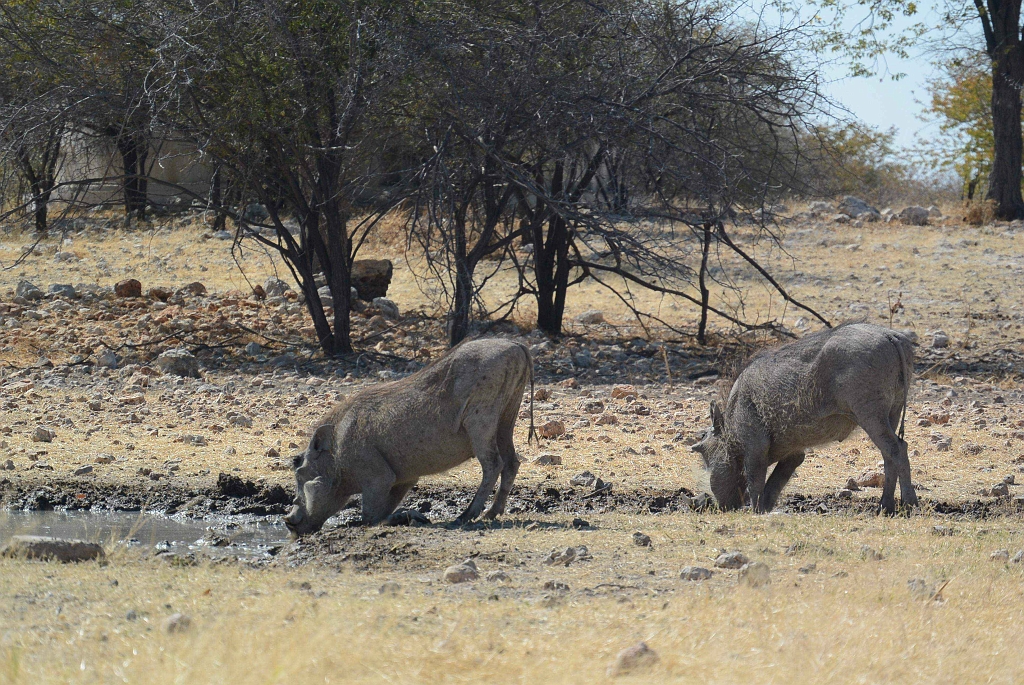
x=294 y=518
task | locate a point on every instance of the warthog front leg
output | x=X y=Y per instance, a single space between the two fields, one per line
x=380 y=498
x=508 y=477
x=783 y=471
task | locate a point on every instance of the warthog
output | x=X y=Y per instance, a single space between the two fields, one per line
x=806 y=393
x=381 y=440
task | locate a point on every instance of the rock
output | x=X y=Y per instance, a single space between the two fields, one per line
x=914 y=216
x=621 y=391
x=632 y=659
x=819 y=207
x=1010 y=479
x=178 y=623
x=386 y=307
x=498 y=577
x=254 y=211
x=591 y=316
x=755 y=574
x=461 y=573
x=51 y=549
x=845 y=493
x=695 y=573
x=389 y=588
x=606 y=419
x=840 y=219
x=253 y=349
x=590 y=406
x=1000 y=555
x=195 y=288
x=851 y=484
x=128 y=288
x=43 y=434
x=7 y=465
x=580 y=524
x=870 y=479
x=542 y=395
x=107 y=359
x=159 y=293
x=942 y=531
x=408 y=517
x=326 y=299
x=63 y=290
x=731 y=560
x=940 y=340
x=28 y=291
x=934 y=212
x=871 y=554
x=1018 y=557
x=1000 y=490
x=371 y=278
x=83 y=470
x=275 y=287
x=641 y=539
x=583 y=480
x=178 y=362
x=856 y=208
x=583 y=359
x=548 y=460
x=552 y=429
x=243 y=421
x=566 y=556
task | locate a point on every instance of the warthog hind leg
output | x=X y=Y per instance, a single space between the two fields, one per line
x=897 y=464
x=507 y=452
x=486 y=452
x=380 y=499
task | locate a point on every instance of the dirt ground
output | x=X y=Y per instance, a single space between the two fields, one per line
x=87 y=420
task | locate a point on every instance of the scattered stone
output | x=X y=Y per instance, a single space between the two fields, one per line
x=389 y=588
x=845 y=493
x=178 y=362
x=583 y=480
x=1000 y=490
x=178 y=623
x=914 y=216
x=43 y=434
x=1010 y=479
x=499 y=577
x=223 y=235
x=371 y=278
x=971 y=449
x=632 y=659
x=755 y=574
x=621 y=391
x=63 y=290
x=567 y=556
x=28 y=291
x=107 y=359
x=641 y=539
x=275 y=287
x=731 y=560
x=819 y=207
x=386 y=307
x=51 y=549
x=542 y=395
x=856 y=208
x=606 y=419
x=552 y=429
x=871 y=554
x=591 y=316
x=161 y=294
x=83 y=470
x=940 y=340
x=7 y=465
x=1018 y=557
x=695 y=573
x=408 y=517
x=590 y=406
x=870 y=479
x=942 y=531
x=461 y=573
x=253 y=349
x=194 y=288
x=548 y=460
x=580 y=524
x=934 y=212
x=128 y=288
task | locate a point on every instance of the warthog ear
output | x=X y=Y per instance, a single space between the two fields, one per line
x=323 y=439
x=717 y=418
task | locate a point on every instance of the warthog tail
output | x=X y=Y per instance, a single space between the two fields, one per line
x=532 y=435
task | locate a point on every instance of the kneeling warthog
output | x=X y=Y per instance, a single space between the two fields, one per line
x=806 y=393
x=381 y=440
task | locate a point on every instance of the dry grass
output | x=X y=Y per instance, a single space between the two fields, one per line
x=830 y=615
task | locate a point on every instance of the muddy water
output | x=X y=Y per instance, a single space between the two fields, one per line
x=215 y=536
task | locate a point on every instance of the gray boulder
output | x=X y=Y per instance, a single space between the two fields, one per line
x=178 y=362
x=51 y=549
x=388 y=308
x=819 y=207
x=914 y=216
x=856 y=208
x=275 y=287
x=29 y=291
x=325 y=296
x=371 y=278
x=63 y=290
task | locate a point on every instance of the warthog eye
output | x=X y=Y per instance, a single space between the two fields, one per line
x=296 y=461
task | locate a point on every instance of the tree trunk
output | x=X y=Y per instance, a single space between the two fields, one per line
x=132 y=149
x=458 y=321
x=1002 y=34
x=220 y=220
x=41 y=198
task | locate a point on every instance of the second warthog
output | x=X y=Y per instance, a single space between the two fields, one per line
x=383 y=439
x=806 y=393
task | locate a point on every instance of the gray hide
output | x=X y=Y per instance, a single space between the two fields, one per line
x=806 y=393
x=381 y=440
